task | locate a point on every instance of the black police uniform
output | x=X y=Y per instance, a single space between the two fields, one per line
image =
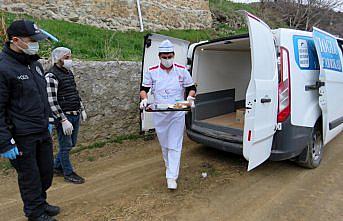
x=24 y=113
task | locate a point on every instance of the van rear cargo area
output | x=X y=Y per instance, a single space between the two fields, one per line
x=222 y=71
x=226 y=120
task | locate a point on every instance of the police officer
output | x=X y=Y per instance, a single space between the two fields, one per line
x=24 y=112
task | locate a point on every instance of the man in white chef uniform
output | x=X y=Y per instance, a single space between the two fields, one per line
x=169 y=82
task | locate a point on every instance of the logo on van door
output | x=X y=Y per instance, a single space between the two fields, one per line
x=305 y=53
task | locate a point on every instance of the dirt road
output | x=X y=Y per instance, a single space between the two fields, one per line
x=126 y=182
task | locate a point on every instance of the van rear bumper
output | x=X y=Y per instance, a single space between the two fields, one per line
x=287 y=143
x=290 y=141
x=215 y=143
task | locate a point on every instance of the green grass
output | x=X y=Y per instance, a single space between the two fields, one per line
x=228 y=7
x=91 y=158
x=5 y=165
x=227 y=14
x=101 y=144
x=91 y=43
x=228 y=11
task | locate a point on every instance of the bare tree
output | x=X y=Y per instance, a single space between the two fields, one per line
x=304 y=14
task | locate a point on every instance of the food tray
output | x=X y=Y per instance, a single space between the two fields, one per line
x=169 y=109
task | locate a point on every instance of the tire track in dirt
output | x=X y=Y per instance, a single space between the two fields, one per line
x=274 y=191
x=96 y=191
x=279 y=191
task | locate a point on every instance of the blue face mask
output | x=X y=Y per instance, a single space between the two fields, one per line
x=32 y=48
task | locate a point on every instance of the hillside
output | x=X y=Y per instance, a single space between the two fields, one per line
x=92 y=43
x=226 y=17
x=324 y=18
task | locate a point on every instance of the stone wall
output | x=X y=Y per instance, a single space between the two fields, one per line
x=110 y=93
x=119 y=14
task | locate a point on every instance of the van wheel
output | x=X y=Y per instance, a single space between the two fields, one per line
x=314 y=150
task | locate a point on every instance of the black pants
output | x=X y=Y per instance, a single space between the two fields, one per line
x=35 y=171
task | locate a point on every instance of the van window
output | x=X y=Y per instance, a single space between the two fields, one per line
x=305 y=53
x=278 y=55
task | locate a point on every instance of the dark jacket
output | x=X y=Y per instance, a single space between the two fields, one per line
x=24 y=107
x=67 y=94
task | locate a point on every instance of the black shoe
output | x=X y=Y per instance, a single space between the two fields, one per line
x=74 y=178
x=58 y=172
x=43 y=217
x=52 y=210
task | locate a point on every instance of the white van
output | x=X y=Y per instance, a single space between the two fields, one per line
x=288 y=82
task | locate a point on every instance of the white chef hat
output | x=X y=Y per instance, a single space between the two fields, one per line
x=58 y=53
x=166 y=47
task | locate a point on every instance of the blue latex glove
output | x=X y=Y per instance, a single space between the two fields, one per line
x=50 y=128
x=11 y=154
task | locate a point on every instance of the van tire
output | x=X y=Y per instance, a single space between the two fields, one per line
x=313 y=153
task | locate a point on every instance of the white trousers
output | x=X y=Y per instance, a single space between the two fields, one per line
x=170 y=128
x=172 y=160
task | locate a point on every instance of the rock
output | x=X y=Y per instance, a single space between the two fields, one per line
x=109 y=91
x=51 y=14
x=118 y=14
x=18 y=7
x=73 y=18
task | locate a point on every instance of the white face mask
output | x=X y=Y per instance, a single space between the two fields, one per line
x=167 y=62
x=68 y=64
x=32 y=48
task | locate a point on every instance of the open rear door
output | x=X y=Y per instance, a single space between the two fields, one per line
x=262 y=98
x=329 y=50
x=151 y=44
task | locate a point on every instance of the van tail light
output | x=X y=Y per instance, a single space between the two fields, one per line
x=284 y=108
x=249 y=135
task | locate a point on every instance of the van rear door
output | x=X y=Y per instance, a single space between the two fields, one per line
x=150 y=58
x=262 y=94
x=329 y=50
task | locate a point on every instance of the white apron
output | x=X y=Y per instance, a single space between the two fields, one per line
x=169 y=125
x=167 y=88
